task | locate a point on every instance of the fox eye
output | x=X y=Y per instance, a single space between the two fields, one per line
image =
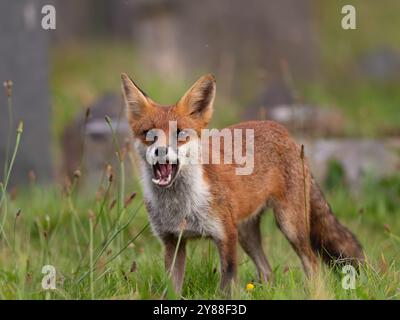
x=178 y=131
x=149 y=135
x=183 y=135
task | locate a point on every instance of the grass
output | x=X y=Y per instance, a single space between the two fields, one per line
x=95 y=261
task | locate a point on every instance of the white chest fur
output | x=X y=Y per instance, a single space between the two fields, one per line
x=186 y=203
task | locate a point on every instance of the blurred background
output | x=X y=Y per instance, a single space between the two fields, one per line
x=336 y=90
x=69 y=199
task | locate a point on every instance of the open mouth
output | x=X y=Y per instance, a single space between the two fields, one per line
x=164 y=174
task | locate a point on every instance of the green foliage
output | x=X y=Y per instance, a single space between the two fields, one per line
x=335 y=177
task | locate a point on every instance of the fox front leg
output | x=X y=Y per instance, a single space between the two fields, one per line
x=175 y=267
x=227 y=249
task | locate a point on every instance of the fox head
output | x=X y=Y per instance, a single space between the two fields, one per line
x=166 y=134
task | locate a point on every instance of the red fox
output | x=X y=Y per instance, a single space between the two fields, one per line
x=186 y=200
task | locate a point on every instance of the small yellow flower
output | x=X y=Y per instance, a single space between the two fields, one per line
x=249 y=286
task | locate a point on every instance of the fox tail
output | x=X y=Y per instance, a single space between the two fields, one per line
x=329 y=238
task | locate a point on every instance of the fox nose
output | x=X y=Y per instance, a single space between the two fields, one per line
x=161 y=152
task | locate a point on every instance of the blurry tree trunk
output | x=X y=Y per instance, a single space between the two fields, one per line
x=24 y=60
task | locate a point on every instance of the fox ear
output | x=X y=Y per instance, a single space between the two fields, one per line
x=198 y=100
x=135 y=99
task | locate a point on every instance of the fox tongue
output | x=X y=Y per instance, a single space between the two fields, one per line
x=163 y=174
x=165 y=170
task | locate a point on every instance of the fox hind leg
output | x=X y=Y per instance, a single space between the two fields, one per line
x=292 y=222
x=251 y=242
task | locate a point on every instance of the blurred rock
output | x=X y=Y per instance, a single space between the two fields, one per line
x=277 y=93
x=301 y=119
x=358 y=157
x=380 y=64
x=87 y=142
